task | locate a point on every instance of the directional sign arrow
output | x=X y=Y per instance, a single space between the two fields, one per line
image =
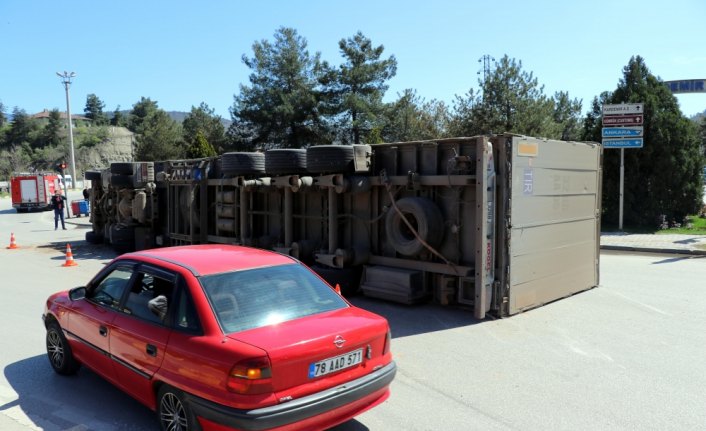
x=623 y=143
x=622 y=120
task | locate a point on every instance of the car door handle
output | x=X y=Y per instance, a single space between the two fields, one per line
x=151 y=350
x=103 y=331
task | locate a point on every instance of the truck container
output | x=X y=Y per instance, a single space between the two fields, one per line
x=498 y=224
x=32 y=191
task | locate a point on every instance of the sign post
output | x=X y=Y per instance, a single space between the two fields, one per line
x=622 y=128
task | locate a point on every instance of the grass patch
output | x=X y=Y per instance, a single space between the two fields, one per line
x=695 y=226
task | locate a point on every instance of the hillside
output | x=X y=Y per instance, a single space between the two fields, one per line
x=117 y=147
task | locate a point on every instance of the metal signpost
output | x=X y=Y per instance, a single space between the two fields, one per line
x=622 y=128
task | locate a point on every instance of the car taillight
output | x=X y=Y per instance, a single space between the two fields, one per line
x=388 y=341
x=251 y=376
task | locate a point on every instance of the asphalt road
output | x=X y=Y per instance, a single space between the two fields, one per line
x=627 y=355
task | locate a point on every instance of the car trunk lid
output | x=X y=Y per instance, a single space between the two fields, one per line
x=316 y=352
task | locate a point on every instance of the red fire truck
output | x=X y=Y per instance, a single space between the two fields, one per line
x=33 y=190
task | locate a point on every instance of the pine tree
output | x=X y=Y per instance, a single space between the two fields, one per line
x=280 y=106
x=664 y=178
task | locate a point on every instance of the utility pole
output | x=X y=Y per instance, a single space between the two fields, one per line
x=66 y=80
x=486 y=59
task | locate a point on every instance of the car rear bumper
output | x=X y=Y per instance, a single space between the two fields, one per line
x=295 y=410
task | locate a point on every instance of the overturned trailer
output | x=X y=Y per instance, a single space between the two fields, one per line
x=499 y=223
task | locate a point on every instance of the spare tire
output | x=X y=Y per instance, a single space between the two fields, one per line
x=329 y=159
x=240 y=163
x=285 y=161
x=426 y=219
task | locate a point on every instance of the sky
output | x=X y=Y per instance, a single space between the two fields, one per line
x=182 y=53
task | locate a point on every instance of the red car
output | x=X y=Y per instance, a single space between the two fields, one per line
x=223 y=337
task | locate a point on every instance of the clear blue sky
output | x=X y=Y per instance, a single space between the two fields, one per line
x=182 y=53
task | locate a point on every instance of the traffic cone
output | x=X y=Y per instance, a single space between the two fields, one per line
x=338 y=289
x=69 y=257
x=13 y=244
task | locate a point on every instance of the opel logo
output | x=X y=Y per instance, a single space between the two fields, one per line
x=339 y=341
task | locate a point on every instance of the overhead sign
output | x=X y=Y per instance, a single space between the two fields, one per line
x=623 y=109
x=622 y=132
x=623 y=143
x=687 y=86
x=623 y=120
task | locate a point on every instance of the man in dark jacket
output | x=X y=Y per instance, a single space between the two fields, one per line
x=58 y=202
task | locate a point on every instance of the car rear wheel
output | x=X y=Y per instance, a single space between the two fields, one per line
x=173 y=412
x=59 y=351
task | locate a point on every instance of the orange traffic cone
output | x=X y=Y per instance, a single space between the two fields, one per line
x=338 y=289
x=13 y=244
x=69 y=257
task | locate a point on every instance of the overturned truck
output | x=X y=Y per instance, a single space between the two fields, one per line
x=498 y=223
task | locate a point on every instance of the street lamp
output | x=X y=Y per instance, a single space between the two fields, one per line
x=66 y=80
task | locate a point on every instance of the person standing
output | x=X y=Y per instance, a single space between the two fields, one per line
x=58 y=202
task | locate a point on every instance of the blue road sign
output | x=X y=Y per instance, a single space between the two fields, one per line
x=622 y=132
x=623 y=143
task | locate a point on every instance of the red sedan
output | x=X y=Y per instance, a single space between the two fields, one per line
x=223 y=337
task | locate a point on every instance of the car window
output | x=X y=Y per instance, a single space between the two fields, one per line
x=186 y=318
x=258 y=297
x=149 y=297
x=110 y=290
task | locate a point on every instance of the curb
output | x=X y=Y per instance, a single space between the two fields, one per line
x=654 y=250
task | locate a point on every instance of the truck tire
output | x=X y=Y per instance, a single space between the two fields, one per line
x=92 y=176
x=329 y=159
x=122 y=168
x=240 y=163
x=122 y=180
x=94 y=238
x=424 y=216
x=285 y=161
x=122 y=238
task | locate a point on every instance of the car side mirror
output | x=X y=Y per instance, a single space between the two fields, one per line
x=77 y=293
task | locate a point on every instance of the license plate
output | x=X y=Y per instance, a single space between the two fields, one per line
x=336 y=363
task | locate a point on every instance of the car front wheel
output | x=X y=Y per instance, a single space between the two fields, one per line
x=173 y=412
x=59 y=351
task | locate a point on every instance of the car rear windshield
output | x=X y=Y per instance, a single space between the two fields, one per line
x=258 y=297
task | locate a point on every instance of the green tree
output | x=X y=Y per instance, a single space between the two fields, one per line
x=94 y=110
x=51 y=133
x=204 y=121
x=200 y=148
x=23 y=129
x=279 y=106
x=139 y=113
x=159 y=137
x=412 y=118
x=511 y=100
x=664 y=178
x=567 y=114
x=3 y=117
x=118 y=119
x=356 y=89
x=15 y=159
